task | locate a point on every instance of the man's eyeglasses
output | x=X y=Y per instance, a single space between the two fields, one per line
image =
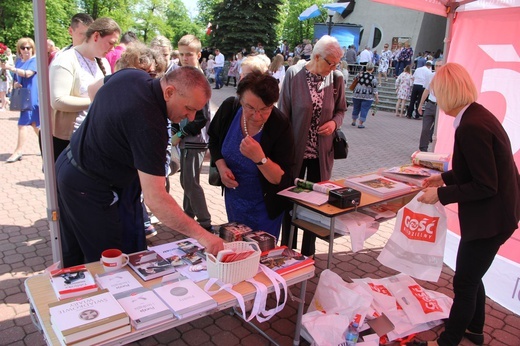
x=25 y=48
x=251 y=109
x=328 y=62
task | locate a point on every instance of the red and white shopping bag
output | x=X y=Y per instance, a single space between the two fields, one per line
x=416 y=247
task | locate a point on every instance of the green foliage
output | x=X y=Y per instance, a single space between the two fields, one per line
x=243 y=23
x=294 y=30
x=17 y=20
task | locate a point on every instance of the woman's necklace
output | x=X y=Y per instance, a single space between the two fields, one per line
x=245 y=127
x=87 y=63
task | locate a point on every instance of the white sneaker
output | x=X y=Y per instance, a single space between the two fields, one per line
x=153 y=219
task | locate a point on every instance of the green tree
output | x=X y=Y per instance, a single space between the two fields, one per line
x=294 y=30
x=243 y=23
x=17 y=20
x=179 y=21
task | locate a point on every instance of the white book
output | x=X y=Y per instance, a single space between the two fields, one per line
x=144 y=307
x=118 y=281
x=378 y=185
x=72 y=282
x=80 y=318
x=185 y=298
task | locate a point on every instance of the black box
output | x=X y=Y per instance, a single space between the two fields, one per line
x=344 y=197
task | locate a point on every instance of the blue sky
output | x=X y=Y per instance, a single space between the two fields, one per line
x=191 y=5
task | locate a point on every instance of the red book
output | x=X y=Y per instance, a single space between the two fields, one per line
x=72 y=282
x=284 y=260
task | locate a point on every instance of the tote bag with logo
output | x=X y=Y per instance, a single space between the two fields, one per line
x=416 y=247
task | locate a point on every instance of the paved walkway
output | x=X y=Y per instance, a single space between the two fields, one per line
x=25 y=243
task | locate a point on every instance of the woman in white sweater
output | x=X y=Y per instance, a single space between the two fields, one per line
x=72 y=72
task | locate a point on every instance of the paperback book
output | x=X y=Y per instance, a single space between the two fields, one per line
x=93 y=315
x=265 y=240
x=378 y=185
x=149 y=265
x=118 y=281
x=284 y=260
x=144 y=308
x=187 y=255
x=72 y=282
x=412 y=174
x=234 y=231
x=439 y=162
x=185 y=298
x=306 y=191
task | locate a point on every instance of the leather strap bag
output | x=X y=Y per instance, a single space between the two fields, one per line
x=340 y=145
x=20 y=100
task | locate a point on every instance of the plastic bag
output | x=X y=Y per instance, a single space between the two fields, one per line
x=416 y=247
x=332 y=308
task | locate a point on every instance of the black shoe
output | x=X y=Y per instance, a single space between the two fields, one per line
x=408 y=117
x=477 y=339
x=216 y=88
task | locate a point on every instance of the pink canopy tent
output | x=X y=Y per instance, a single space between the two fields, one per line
x=483 y=36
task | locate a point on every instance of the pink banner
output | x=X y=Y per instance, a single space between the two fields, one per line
x=431 y=6
x=486 y=43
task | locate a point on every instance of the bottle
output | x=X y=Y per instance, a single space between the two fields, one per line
x=352 y=334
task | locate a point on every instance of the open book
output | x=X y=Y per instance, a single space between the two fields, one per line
x=314 y=193
x=410 y=173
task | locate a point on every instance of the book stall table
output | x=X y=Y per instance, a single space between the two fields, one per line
x=331 y=212
x=40 y=294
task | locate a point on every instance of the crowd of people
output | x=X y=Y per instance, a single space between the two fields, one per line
x=113 y=156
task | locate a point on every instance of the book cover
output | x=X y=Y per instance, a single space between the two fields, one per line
x=118 y=281
x=284 y=260
x=378 y=185
x=149 y=265
x=144 y=307
x=185 y=298
x=72 y=282
x=411 y=174
x=82 y=317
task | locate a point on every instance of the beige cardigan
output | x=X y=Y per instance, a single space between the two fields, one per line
x=66 y=101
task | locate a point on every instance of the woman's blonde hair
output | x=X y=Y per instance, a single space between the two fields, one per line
x=453 y=87
x=142 y=57
x=24 y=41
x=276 y=63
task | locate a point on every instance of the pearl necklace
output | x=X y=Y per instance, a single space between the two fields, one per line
x=245 y=128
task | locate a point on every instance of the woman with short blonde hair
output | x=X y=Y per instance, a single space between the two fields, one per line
x=453 y=87
x=485 y=184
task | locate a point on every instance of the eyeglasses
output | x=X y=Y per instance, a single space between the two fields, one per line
x=328 y=62
x=25 y=48
x=251 y=109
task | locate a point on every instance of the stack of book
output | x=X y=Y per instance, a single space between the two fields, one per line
x=265 y=240
x=145 y=308
x=149 y=265
x=72 y=282
x=118 y=281
x=91 y=319
x=185 y=298
x=377 y=185
x=234 y=231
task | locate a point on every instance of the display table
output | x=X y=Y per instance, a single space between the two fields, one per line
x=332 y=212
x=40 y=294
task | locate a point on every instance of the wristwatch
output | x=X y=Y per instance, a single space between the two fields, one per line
x=262 y=161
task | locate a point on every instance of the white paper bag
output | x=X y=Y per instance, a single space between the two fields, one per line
x=416 y=247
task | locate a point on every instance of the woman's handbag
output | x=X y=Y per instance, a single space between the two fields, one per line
x=340 y=145
x=354 y=83
x=214 y=176
x=21 y=100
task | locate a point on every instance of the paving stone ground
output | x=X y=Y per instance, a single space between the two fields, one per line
x=25 y=248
